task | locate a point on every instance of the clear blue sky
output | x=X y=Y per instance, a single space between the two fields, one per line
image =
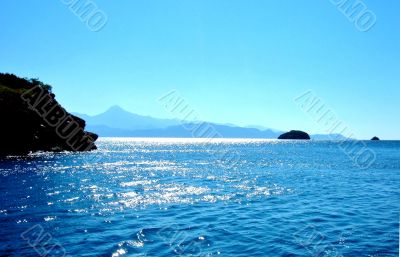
x=235 y=61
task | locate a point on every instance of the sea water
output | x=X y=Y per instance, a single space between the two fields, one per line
x=193 y=197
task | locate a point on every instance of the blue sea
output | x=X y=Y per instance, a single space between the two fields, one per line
x=193 y=197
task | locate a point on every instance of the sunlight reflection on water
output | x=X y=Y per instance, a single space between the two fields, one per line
x=152 y=197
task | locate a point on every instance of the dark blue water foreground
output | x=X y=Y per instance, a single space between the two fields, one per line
x=191 y=198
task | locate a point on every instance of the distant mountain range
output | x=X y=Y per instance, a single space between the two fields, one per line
x=117 y=122
x=118 y=118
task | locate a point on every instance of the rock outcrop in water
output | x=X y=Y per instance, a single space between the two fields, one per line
x=375 y=139
x=295 y=134
x=32 y=120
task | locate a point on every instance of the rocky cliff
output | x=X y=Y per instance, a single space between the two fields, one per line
x=32 y=120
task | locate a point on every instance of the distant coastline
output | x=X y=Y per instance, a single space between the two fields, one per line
x=117 y=122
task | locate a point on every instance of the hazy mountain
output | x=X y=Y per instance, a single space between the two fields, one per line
x=328 y=137
x=187 y=131
x=118 y=118
x=117 y=122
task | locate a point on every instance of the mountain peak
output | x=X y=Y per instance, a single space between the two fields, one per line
x=115 y=108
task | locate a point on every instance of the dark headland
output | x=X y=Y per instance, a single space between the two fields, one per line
x=295 y=135
x=375 y=139
x=32 y=120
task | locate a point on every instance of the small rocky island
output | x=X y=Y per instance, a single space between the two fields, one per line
x=32 y=120
x=295 y=135
x=375 y=139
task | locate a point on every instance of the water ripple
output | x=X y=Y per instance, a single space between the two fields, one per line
x=147 y=197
